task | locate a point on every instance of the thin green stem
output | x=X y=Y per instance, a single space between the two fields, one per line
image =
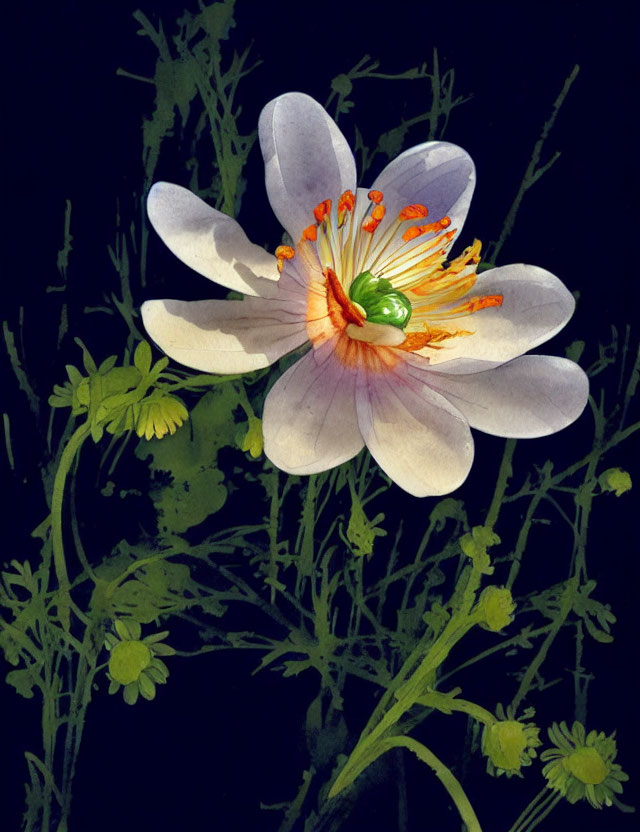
x=445 y=775
x=57 y=497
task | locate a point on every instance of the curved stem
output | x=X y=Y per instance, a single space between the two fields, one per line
x=64 y=466
x=445 y=775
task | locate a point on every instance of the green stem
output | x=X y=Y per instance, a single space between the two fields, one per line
x=501 y=483
x=64 y=466
x=372 y=739
x=446 y=777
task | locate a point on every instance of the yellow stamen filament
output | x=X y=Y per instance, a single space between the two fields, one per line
x=344 y=243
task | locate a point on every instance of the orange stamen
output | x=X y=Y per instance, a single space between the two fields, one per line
x=376 y=196
x=346 y=202
x=284 y=253
x=321 y=210
x=336 y=292
x=471 y=306
x=378 y=212
x=370 y=224
x=418 y=230
x=429 y=338
x=413 y=212
x=310 y=233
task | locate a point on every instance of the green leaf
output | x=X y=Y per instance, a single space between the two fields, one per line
x=142 y=357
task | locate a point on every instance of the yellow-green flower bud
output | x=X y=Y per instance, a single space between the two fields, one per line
x=159 y=415
x=510 y=744
x=496 y=606
x=615 y=480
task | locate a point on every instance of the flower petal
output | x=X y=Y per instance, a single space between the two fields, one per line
x=225 y=336
x=531 y=396
x=309 y=421
x=439 y=175
x=210 y=242
x=306 y=158
x=536 y=305
x=415 y=435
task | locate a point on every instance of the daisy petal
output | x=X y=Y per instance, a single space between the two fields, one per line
x=306 y=158
x=309 y=421
x=224 y=336
x=531 y=396
x=210 y=242
x=536 y=305
x=415 y=435
x=439 y=175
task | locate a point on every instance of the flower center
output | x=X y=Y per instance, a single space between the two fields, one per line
x=384 y=273
x=381 y=303
x=127 y=661
x=587 y=766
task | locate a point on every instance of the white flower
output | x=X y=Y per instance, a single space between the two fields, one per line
x=409 y=349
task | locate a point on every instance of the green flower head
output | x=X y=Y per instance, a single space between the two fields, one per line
x=496 y=606
x=615 y=480
x=581 y=766
x=134 y=663
x=159 y=414
x=509 y=745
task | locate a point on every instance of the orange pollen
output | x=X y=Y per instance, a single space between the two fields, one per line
x=378 y=212
x=337 y=293
x=370 y=224
x=376 y=196
x=321 y=210
x=346 y=202
x=485 y=302
x=310 y=233
x=418 y=230
x=284 y=253
x=472 y=305
x=413 y=212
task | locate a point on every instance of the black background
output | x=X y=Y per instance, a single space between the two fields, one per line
x=216 y=741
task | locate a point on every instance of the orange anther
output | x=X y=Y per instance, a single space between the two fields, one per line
x=376 y=196
x=321 y=210
x=417 y=230
x=485 y=302
x=370 y=224
x=412 y=233
x=378 y=212
x=413 y=212
x=285 y=253
x=310 y=233
x=346 y=201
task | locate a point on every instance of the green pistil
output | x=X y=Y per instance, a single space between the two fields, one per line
x=382 y=303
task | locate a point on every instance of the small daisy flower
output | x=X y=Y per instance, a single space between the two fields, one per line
x=581 y=766
x=134 y=663
x=510 y=744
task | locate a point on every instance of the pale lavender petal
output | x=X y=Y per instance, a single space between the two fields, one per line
x=415 y=435
x=211 y=243
x=306 y=158
x=309 y=421
x=439 y=175
x=226 y=336
x=536 y=306
x=533 y=395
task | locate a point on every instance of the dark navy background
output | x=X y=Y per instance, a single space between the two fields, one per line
x=217 y=741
